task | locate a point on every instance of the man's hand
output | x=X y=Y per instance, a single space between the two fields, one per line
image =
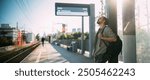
x=100 y=36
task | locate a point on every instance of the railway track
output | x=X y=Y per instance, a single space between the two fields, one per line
x=16 y=56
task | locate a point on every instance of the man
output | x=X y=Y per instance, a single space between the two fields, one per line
x=102 y=39
x=42 y=41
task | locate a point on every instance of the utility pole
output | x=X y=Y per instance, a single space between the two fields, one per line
x=17 y=25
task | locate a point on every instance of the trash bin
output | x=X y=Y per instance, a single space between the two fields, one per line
x=69 y=48
x=74 y=46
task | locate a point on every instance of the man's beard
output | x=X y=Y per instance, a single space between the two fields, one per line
x=98 y=22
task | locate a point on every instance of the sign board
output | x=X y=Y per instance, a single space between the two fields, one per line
x=65 y=9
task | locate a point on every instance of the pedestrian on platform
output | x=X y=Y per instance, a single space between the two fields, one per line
x=43 y=39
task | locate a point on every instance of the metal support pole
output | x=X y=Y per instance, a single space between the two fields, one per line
x=82 y=36
x=91 y=28
x=129 y=32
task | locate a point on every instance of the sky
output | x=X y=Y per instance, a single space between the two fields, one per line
x=38 y=16
x=31 y=15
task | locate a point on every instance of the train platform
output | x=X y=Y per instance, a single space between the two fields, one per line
x=50 y=53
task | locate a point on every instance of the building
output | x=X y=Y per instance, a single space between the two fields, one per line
x=9 y=33
x=5 y=26
x=63 y=28
x=76 y=30
x=30 y=37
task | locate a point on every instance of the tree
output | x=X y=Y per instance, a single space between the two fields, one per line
x=77 y=35
x=38 y=37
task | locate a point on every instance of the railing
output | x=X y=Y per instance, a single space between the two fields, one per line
x=68 y=42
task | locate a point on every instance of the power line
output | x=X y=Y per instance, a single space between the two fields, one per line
x=20 y=5
x=25 y=7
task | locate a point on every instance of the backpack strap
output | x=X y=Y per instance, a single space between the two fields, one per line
x=102 y=35
x=96 y=36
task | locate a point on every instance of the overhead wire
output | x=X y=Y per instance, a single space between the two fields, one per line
x=27 y=7
x=22 y=9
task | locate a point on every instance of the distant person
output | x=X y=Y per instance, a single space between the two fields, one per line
x=103 y=37
x=43 y=39
x=49 y=39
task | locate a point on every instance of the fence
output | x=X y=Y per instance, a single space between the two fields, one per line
x=68 y=42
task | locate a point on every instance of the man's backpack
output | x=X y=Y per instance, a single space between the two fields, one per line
x=114 y=47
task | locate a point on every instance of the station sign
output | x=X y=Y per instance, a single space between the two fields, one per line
x=66 y=9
